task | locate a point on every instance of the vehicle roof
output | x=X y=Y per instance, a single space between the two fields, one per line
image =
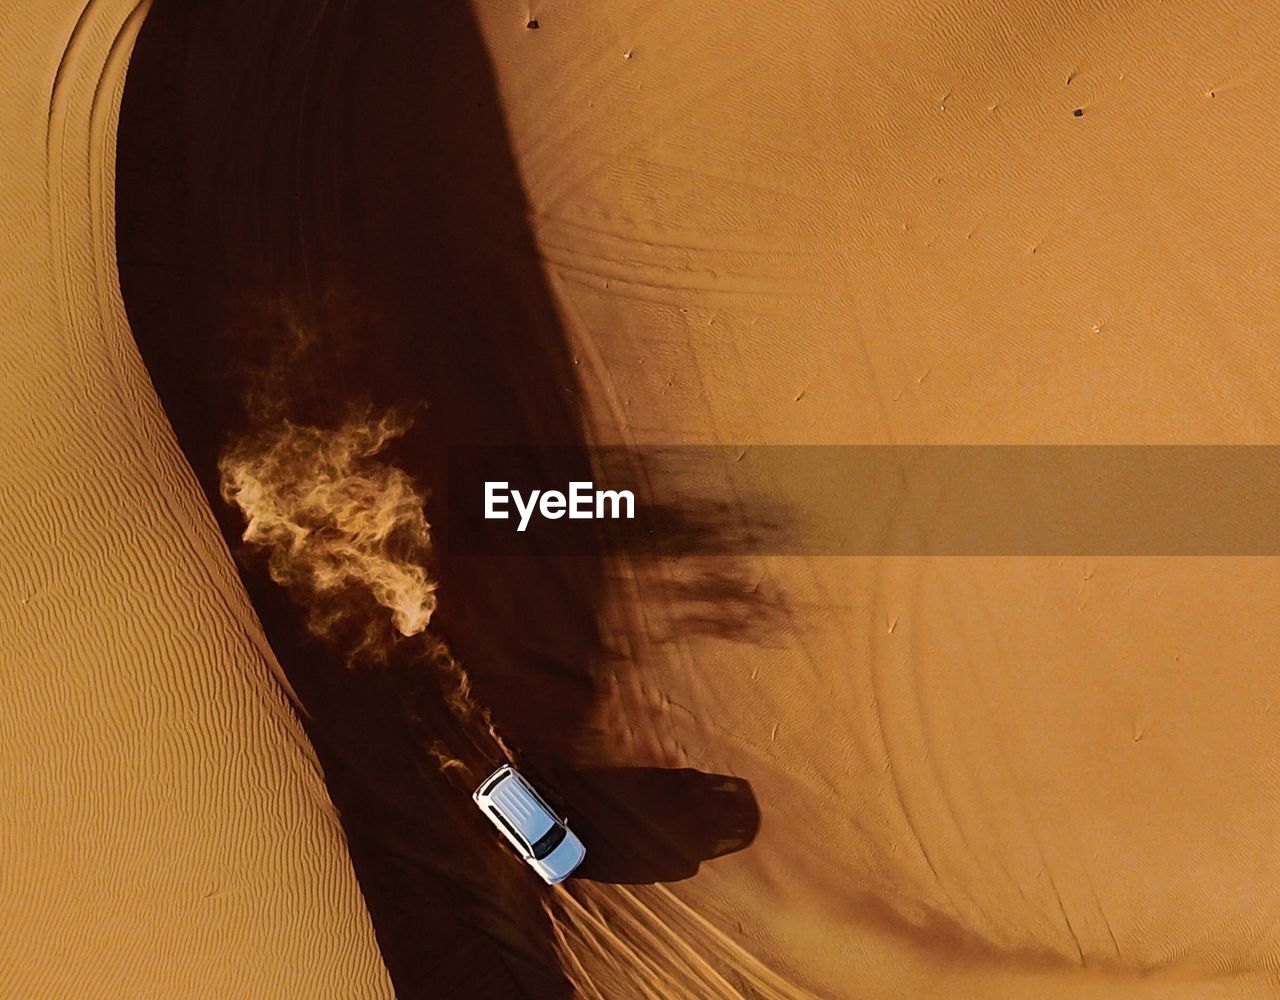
x=511 y=798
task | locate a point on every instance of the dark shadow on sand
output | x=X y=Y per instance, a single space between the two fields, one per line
x=654 y=824
x=318 y=212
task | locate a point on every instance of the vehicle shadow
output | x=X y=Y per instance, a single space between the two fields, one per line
x=317 y=215
x=652 y=824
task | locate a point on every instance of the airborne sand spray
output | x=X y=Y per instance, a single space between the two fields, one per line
x=345 y=532
x=332 y=514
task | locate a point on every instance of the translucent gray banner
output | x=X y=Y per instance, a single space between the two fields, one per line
x=973 y=500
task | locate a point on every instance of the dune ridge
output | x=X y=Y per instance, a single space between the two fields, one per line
x=164 y=825
x=816 y=223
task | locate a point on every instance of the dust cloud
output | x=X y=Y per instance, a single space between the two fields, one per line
x=333 y=515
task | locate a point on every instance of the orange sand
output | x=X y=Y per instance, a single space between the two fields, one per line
x=867 y=223
x=788 y=222
x=164 y=827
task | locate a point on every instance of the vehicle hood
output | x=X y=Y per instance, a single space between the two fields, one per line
x=560 y=863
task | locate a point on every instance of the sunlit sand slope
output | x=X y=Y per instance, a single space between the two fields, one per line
x=970 y=222
x=164 y=829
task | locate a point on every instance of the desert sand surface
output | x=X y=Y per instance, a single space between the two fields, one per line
x=952 y=223
x=163 y=822
x=350 y=239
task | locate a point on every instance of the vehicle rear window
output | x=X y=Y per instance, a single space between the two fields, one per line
x=548 y=842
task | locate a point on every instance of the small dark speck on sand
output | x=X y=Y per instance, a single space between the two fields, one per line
x=533 y=24
x=1078 y=112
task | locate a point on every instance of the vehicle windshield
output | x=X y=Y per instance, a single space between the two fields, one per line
x=548 y=842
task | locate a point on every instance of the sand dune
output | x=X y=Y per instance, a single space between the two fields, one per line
x=793 y=223
x=164 y=825
x=959 y=223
